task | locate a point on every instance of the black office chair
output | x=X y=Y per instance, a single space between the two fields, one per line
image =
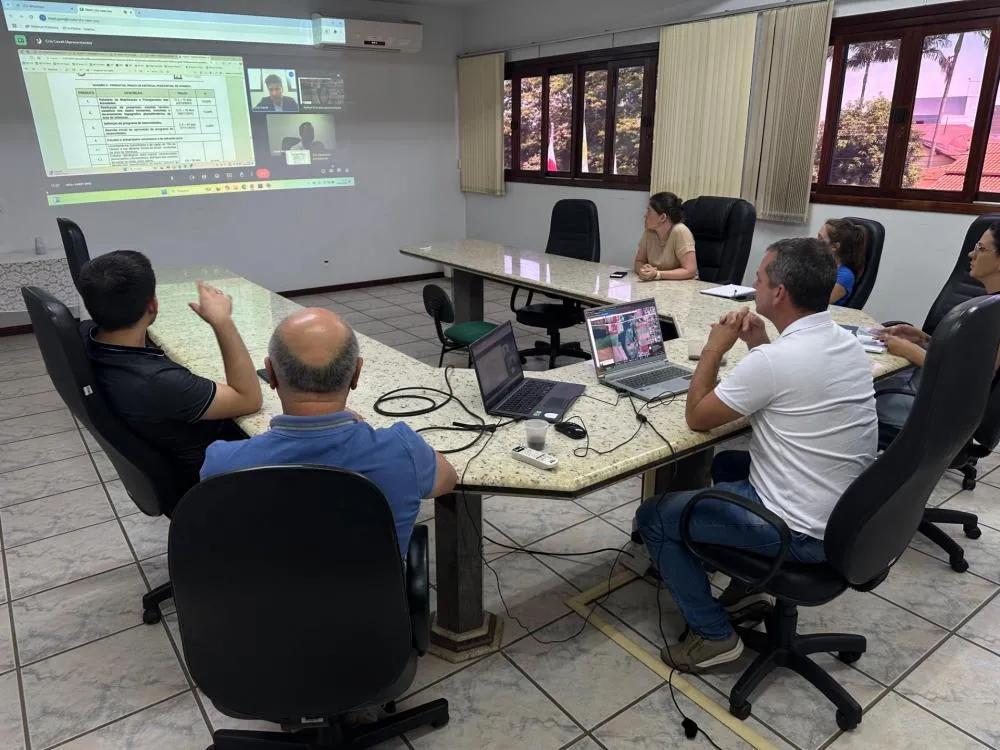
x=146 y=474
x=874 y=520
x=75 y=247
x=874 y=240
x=723 y=232
x=293 y=604
x=574 y=232
x=454 y=338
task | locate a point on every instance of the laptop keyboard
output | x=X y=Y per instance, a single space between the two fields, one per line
x=653 y=377
x=527 y=397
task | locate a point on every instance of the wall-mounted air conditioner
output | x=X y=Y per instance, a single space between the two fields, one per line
x=354 y=33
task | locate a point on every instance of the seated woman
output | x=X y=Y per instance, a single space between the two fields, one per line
x=911 y=343
x=848 y=243
x=666 y=248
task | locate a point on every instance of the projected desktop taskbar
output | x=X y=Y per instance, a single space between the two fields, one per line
x=179 y=191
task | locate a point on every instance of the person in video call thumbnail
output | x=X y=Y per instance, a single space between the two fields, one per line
x=276 y=101
x=307 y=139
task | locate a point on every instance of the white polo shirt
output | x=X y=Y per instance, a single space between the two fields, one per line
x=810 y=401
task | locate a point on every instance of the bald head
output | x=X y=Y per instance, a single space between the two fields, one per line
x=314 y=351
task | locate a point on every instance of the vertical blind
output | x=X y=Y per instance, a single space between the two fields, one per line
x=480 y=118
x=702 y=105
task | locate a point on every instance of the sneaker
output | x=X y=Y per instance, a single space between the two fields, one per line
x=744 y=605
x=695 y=653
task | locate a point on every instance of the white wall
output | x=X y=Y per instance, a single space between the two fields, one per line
x=404 y=156
x=920 y=248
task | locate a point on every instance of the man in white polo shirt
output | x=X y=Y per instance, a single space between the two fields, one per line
x=810 y=401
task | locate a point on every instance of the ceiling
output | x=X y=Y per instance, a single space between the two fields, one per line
x=444 y=3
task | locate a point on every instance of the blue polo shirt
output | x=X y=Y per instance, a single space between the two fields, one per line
x=395 y=458
x=845 y=277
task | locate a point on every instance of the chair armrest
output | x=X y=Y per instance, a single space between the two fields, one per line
x=418 y=567
x=889 y=323
x=513 y=298
x=760 y=511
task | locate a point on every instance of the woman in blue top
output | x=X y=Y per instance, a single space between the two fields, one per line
x=848 y=243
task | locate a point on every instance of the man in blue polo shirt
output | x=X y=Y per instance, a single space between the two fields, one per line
x=314 y=364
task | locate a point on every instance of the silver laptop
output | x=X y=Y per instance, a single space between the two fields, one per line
x=628 y=351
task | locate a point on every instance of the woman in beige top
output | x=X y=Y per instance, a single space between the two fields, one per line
x=666 y=249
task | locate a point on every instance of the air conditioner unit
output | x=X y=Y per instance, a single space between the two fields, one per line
x=354 y=33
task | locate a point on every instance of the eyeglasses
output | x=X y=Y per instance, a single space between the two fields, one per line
x=979 y=247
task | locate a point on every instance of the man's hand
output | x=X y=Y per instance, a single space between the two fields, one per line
x=648 y=273
x=906 y=332
x=213 y=306
x=726 y=332
x=752 y=331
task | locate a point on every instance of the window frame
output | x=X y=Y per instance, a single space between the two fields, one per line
x=610 y=60
x=911 y=26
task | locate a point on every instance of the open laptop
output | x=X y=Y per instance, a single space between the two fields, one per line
x=628 y=351
x=505 y=390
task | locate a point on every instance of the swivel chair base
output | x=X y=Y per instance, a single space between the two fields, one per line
x=151 y=603
x=970 y=525
x=553 y=349
x=782 y=646
x=335 y=736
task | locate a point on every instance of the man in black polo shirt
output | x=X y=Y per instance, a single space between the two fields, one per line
x=175 y=410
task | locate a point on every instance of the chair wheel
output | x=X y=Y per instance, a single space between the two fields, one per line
x=972 y=531
x=968 y=483
x=442 y=722
x=849 y=657
x=151 y=616
x=390 y=707
x=959 y=564
x=847 y=723
x=741 y=711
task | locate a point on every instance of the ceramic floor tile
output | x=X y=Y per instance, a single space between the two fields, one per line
x=47 y=479
x=176 y=724
x=566 y=671
x=587 y=743
x=984 y=628
x=355 y=317
x=612 y=497
x=20 y=356
x=56 y=514
x=105 y=468
x=635 y=605
x=119 y=498
x=586 y=572
x=68 y=557
x=654 y=724
x=895 y=722
x=984 y=502
x=312 y=300
x=98 y=683
x=36 y=425
x=896 y=638
x=373 y=328
x=219 y=720
x=69 y=616
x=360 y=302
x=622 y=516
x=482 y=700
x=148 y=534
x=948 y=486
x=395 y=337
x=418 y=349
x=25 y=386
x=11 y=726
x=41 y=450
x=931 y=589
x=960 y=682
x=534 y=594
x=983 y=554
x=528 y=519
x=431 y=669
x=12 y=408
x=6 y=640
x=789 y=705
x=19 y=341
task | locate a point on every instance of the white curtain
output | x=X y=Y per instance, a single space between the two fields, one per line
x=702 y=105
x=480 y=117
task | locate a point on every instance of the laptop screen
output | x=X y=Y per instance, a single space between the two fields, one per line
x=497 y=363
x=624 y=334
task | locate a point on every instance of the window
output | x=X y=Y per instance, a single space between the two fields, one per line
x=581 y=120
x=907 y=110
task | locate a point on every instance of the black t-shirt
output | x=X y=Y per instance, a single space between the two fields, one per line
x=159 y=399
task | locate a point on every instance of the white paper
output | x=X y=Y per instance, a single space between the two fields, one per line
x=729 y=291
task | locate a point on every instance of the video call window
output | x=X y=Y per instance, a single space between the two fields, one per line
x=322 y=93
x=273 y=90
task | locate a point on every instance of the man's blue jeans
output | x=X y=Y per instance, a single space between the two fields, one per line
x=714 y=522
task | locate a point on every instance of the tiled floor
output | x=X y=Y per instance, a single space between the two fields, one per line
x=79 y=670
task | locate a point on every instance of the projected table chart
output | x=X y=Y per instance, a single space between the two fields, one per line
x=462 y=628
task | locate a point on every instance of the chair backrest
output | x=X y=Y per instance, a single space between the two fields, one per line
x=146 y=474
x=723 y=232
x=75 y=246
x=874 y=240
x=960 y=286
x=987 y=434
x=289 y=590
x=878 y=515
x=574 y=230
x=438 y=304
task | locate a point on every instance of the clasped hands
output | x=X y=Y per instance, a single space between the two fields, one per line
x=741 y=325
x=900 y=339
x=648 y=273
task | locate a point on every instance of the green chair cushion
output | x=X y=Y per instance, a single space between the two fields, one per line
x=466 y=333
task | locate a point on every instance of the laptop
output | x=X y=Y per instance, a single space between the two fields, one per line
x=505 y=390
x=628 y=351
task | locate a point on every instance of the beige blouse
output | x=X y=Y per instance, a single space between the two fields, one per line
x=666 y=255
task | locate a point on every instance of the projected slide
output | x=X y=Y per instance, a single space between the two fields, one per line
x=123 y=118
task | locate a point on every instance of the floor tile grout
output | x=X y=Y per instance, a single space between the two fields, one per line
x=540 y=689
x=129 y=715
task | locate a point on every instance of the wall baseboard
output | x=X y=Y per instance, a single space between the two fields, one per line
x=362 y=284
x=15 y=330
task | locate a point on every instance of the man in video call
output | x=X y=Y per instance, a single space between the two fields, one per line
x=307 y=139
x=276 y=101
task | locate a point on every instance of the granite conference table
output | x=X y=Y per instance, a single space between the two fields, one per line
x=462 y=628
